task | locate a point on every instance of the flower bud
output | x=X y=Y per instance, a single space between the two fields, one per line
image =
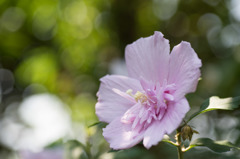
x=187 y=132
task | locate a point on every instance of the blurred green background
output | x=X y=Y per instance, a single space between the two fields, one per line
x=53 y=52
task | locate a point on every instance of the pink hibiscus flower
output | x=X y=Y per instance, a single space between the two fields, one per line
x=151 y=101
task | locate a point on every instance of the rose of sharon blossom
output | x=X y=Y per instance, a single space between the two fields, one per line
x=151 y=101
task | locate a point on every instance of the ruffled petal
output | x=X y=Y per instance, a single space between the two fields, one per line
x=153 y=134
x=120 y=135
x=111 y=104
x=174 y=115
x=184 y=69
x=148 y=58
x=170 y=122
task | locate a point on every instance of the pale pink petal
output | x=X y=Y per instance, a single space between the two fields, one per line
x=110 y=104
x=170 y=122
x=153 y=134
x=120 y=135
x=148 y=58
x=175 y=114
x=124 y=95
x=184 y=69
x=131 y=114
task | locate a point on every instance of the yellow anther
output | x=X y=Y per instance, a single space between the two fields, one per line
x=139 y=96
x=129 y=92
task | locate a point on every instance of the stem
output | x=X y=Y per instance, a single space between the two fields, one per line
x=180 y=153
x=179 y=147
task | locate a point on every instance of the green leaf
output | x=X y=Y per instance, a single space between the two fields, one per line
x=216 y=146
x=74 y=145
x=112 y=150
x=55 y=144
x=99 y=123
x=215 y=103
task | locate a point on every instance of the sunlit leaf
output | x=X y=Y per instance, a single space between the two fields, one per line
x=215 y=103
x=216 y=146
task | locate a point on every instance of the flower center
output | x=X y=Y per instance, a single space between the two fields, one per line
x=151 y=105
x=139 y=96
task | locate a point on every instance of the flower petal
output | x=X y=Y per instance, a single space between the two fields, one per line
x=153 y=134
x=170 y=122
x=148 y=58
x=124 y=94
x=184 y=69
x=174 y=115
x=120 y=135
x=110 y=104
